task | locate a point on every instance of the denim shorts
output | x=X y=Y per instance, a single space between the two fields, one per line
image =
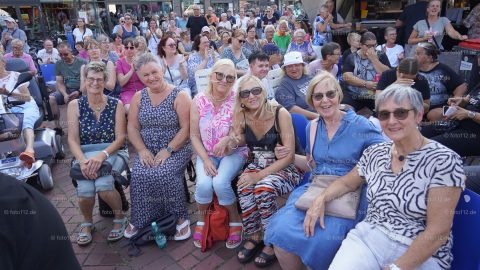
x=369 y=247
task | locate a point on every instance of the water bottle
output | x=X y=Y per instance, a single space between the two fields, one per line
x=160 y=238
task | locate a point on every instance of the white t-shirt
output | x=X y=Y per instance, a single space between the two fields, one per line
x=242 y=23
x=392 y=53
x=43 y=56
x=79 y=36
x=226 y=25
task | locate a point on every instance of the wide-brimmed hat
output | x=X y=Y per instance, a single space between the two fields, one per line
x=293 y=58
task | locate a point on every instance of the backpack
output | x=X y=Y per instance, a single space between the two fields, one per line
x=166 y=225
x=216 y=226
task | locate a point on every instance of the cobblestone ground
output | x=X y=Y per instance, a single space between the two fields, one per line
x=102 y=255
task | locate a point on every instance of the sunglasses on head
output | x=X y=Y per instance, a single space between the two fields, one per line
x=130 y=48
x=399 y=114
x=329 y=94
x=228 y=78
x=246 y=93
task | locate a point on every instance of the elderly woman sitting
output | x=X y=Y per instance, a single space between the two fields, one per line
x=292 y=90
x=413 y=188
x=17 y=52
x=29 y=108
x=96 y=136
x=299 y=44
x=335 y=141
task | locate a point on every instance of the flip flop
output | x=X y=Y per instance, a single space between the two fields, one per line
x=248 y=254
x=28 y=158
x=180 y=227
x=234 y=235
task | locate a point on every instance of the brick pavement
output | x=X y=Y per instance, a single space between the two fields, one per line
x=101 y=255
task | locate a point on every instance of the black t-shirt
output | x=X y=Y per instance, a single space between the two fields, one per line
x=345 y=54
x=442 y=81
x=267 y=21
x=232 y=20
x=195 y=25
x=390 y=76
x=32 y=232
x=410 y=16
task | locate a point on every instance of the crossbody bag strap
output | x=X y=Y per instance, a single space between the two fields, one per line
x=313 y=134
x=434 y=39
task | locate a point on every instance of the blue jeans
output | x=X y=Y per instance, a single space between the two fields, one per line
x=227 y=168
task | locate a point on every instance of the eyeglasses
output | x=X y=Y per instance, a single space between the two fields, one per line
x=128 y=18
x=98 y=80
x=329 y=94
x=246 y=93
x=130 y=48
x=370 y=45
x=171 y=45
x=241 y=40
x=399 y=114
x=122 y=21
x=228 y=78
x=64 y=54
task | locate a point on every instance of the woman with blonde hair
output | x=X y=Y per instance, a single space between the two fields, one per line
x=142 y=45
x=219 y=159
x=236 y=52
x=153 y=35
x=265 y=177
x=353 y=39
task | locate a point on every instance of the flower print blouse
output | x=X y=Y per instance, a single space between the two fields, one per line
x=214 y=124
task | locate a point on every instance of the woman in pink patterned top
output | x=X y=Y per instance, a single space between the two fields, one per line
x=219 y=159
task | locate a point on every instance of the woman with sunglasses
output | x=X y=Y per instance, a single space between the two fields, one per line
x=94 y=55
x=81 y=31
x=360 y=70
x=219 y=159
x=264 y=177
x=235 y=51
x=203 y=57
x=413 y=186
x=338 y=142
x=128 y=30
x=173 y=64
x=126 y=73
x=153 y=35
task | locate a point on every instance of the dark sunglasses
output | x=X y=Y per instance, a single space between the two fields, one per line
x=246 y=93
x=130 y=48
x=399 y=114
x=241 y=40
x=329 y=94
x=228 y=78
x=173 y=45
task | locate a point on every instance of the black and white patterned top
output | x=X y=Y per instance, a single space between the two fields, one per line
x=397 y=204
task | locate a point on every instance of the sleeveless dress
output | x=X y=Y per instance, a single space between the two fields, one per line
x=92 y=131
x=258 y=203
x=153 y=43
x=126 y=34
x=159 y=190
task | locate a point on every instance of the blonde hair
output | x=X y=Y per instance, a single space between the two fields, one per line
x=283 y=22
x=267 y=108
x=352 y=36
x=218 y=67
x=322 y=77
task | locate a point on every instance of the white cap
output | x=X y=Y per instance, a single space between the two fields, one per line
x=205 y=29
x=293 y=58
x=9 y=19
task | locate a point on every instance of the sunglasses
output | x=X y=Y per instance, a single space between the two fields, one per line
x=228 y=78
x=241 y=41
x=172 y=45
x=329 y=94
x=130 y=48
x=399 y=114
x=246 y=93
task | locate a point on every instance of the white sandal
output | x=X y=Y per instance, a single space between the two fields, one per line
x=180 y=227
x=133 y=231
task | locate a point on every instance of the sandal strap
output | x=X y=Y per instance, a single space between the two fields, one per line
x=197 y=236
x=182 y=226
x=234 y=237
x=120 y=221
x=85 y=225
x=233 y=230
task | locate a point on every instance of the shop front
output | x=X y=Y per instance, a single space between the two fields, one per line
x=28 y=14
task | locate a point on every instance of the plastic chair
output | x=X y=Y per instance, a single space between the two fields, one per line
x=300 y=123
x=275 y=77
x=466 y=239
x=48 y=72
x=201 y=79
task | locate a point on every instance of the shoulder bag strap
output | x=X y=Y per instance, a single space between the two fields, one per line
x=313 y=134
x=434 y=39
x=277 y=125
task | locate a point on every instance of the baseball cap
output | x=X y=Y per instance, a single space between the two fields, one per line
x=205 y=29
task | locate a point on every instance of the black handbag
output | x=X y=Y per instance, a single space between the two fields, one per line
x=166 y=225
x=76 y=172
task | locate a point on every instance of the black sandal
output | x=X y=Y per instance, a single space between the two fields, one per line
x=269 y=260
x=248 y=254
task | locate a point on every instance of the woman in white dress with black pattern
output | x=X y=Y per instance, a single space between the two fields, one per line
x=413 y=188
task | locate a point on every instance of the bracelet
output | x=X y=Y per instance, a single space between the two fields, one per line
x=106 y=153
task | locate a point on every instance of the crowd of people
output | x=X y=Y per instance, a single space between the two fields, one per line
x=238 y=130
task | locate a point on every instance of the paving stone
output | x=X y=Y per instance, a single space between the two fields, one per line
x=231 y=264
x=209 y=263
x=161 y=263
x=188 y=262
x=186 y=248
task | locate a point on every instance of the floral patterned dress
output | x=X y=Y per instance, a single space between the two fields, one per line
x=93 y=131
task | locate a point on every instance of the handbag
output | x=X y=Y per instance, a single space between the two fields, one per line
x=344 y=206
x=76 y=172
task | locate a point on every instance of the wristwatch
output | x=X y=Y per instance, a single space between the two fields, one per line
x=471 y=114
x=169 y=149
x=106 y=153
x=394 y=267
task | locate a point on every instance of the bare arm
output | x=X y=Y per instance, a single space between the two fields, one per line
x=112 y=76
x=414 y=39
x=74 y=131
x=182 y=107
x=195 y=136
x=82 y=80
x=61 y=85
x=460 y=90
x=350 y=79
x=440 y=210
x=451 y=32
x=310 y=115
x=123 y=78
x=133 y=127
